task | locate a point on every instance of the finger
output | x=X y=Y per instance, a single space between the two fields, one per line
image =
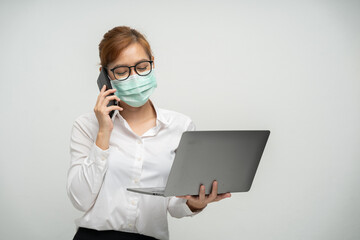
x=113 y=97
x=103 y=95
x=109 y=98
x=222 y=196
x=214 y=191
x=112 y=108
x=109 y=91
x=102 y=90
x=202 y=193
x=188 y=197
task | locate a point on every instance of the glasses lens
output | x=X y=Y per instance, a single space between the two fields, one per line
x=143 y=68
x=121 y=73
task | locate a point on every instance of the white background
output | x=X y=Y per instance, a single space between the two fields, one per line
x=292 y=67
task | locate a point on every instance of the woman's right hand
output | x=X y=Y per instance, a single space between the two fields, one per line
x=102 y=114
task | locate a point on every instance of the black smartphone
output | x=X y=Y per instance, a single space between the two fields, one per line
x=104 y=80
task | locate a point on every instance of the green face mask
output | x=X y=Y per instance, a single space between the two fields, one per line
x=136 y=90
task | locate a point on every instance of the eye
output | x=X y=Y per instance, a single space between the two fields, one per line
x=121 y=71
x=144 y=66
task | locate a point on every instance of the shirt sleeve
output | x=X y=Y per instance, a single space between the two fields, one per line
x=178 y=208
x=191 y=126
x=87 y=169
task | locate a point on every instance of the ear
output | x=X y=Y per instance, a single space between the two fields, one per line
x=100 y=69
x=152 y=59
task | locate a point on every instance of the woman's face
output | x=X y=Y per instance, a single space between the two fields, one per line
x=130 y=56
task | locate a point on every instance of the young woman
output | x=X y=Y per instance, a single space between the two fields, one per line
x=133 y=148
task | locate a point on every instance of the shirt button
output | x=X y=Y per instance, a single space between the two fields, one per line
x=139 y=159
x=130 y=225
x=133 y=203
x=136 y=181
x=139 y=141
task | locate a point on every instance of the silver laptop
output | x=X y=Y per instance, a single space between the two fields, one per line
x=230 y=157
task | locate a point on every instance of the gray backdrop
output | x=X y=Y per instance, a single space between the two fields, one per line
x=288 y=66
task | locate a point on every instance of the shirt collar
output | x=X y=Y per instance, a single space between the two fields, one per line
x=160 y=118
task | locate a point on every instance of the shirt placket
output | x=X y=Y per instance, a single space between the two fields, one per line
x=133 y=198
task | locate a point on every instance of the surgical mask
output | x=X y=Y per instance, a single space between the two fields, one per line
x=136 y=90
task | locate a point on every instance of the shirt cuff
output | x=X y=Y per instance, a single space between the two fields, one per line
x=178 y=208
x=98 y=156
x=188 y=210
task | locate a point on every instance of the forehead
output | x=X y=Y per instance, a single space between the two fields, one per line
x=130 y=55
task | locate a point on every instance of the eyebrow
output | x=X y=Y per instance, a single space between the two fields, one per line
x=122 y=65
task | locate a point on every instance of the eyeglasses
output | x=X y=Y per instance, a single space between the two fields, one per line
x=122 y=73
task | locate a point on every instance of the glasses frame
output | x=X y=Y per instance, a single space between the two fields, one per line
x=113 y=70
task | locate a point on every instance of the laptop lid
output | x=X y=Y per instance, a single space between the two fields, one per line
x=230 y=157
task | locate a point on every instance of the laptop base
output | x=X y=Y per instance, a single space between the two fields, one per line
x=156 y=191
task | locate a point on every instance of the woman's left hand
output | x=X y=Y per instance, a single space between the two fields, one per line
x=197 y=203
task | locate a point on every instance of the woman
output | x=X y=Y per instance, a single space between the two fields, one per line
x=133 y=148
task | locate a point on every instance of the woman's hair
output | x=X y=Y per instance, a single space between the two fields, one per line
x=116 y=40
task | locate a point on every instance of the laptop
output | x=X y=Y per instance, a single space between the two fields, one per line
x=229 y=157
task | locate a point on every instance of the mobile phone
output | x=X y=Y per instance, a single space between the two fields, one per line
x=102 y=80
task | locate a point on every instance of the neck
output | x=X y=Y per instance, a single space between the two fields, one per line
x=137 y=114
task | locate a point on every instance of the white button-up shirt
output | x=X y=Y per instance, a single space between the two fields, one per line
x=97 y=179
